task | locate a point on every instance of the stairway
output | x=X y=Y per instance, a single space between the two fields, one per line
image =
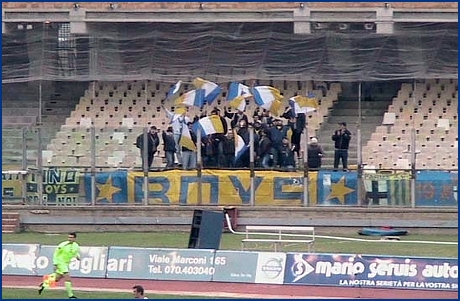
x=10 y=222
x=63 y=100
x=59 y=99
x=347 y=110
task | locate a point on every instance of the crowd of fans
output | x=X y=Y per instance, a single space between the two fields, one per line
x=276 y=141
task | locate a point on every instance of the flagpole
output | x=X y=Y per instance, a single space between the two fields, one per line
x=360 y=148
x=146 y=88
x=251 y=165
x=144 y=166
x=305 y=165
x=93 y=164
x=198 y=166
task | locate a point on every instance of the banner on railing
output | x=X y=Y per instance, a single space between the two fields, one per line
x=111 y=187
x=336 y=188
x=219 y=187
x=371 y=271
x=436 y=188
x=232 y=187
x=60 y=187
x=387 y=189
x=12 y=184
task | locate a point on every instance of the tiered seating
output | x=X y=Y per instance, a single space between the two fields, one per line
x=432 y=111
x=120 y=110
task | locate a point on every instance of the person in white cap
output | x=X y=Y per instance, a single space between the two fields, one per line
x=315 y=153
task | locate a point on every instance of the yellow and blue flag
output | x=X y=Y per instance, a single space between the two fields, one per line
x=186 y=140
x=237 y=94
x=211 y=90
x=209 y=125
x=268 y=98
x=192 y=98
x=303 y=104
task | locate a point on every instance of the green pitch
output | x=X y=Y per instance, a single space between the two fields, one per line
x=233 y=242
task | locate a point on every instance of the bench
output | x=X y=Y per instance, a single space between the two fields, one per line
x=279 y=235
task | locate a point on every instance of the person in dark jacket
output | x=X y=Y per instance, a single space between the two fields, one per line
x=276 y=134
x=314 y=155
x=286 y=155
x=169 y=146
x=152 y=145
x=263 y=151
x=227 y=150
x=341 y=138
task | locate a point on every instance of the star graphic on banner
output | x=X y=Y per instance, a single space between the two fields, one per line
x=107 y=190
x=339 y=190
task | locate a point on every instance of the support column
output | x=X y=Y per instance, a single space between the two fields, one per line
x=384 y=23
x=77 y=21
x=302 y=21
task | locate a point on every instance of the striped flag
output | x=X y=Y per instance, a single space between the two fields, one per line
x=173 y=90
x=268 y=98
x=211 y=90
x=209 y=125
x=240 y=147
x=186 y=140
x=237 y=94
x=191 y=98
x=303 y=104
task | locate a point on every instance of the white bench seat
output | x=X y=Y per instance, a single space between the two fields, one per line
x=279 y=235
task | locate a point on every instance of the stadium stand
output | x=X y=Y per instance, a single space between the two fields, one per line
x=133 y=63
x=120 y=110
x=432 y=110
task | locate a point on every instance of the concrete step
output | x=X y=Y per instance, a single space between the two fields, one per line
x=10 y=215
x=10 y=222
x=353 y=120
x=10 y=229
x=355 y=112
x=13 y=228
x=354 y=104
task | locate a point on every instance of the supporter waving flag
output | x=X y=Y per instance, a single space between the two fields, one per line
x=211 y=90
x=237 y=94
x=209 y=125
x=303 y=104
x=178 y=112
x=268 y=98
